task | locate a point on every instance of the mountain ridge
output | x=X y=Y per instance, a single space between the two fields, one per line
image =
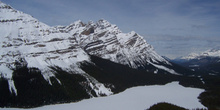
x=30 y=43
x=28 y=34
x=68 y=61
x=215 y=52
x=206 y=62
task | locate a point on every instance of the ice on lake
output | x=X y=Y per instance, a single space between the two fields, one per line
x=136 y=98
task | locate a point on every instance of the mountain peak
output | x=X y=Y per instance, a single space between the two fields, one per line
x=214 y=49
x=103 y=22
x=32 y=44
x=99 y=38
x=3 y=5
x=78 y=24
x=190 y=56
x=215 y=52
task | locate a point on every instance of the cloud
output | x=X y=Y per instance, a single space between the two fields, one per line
x=199 y=26
x=173 y=49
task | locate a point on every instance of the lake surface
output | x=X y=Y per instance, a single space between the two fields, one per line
x=136 y=98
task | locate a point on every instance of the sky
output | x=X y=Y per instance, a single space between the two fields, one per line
x=174 y=28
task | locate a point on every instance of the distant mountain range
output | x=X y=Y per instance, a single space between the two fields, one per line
x=207 y=62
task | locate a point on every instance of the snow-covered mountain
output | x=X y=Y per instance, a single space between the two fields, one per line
x=35 y=55
x=206 y=62
x=27 y=42
x=107 y=41
x=208 y=53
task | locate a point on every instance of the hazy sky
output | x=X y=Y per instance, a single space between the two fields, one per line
x=174 y=27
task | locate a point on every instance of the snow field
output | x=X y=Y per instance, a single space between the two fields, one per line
x=136 y=98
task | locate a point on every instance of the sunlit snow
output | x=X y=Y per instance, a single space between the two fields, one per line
x=136 y=98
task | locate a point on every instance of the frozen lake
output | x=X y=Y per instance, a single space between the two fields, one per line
x=136 y=98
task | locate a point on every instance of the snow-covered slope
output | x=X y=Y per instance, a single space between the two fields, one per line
x=106 y=40
x=42 y=46
x=27 y=42
x=206 y=62
x=35 y=54
x=208 y=53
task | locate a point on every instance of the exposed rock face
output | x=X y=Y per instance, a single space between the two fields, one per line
x=26 y=42
x=105 y=40
x=35 y=54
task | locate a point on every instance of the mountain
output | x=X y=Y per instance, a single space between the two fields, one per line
x=35 y=52
x=215 y=52
x=207 y=62
x=105 y=40
x=42 y=65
